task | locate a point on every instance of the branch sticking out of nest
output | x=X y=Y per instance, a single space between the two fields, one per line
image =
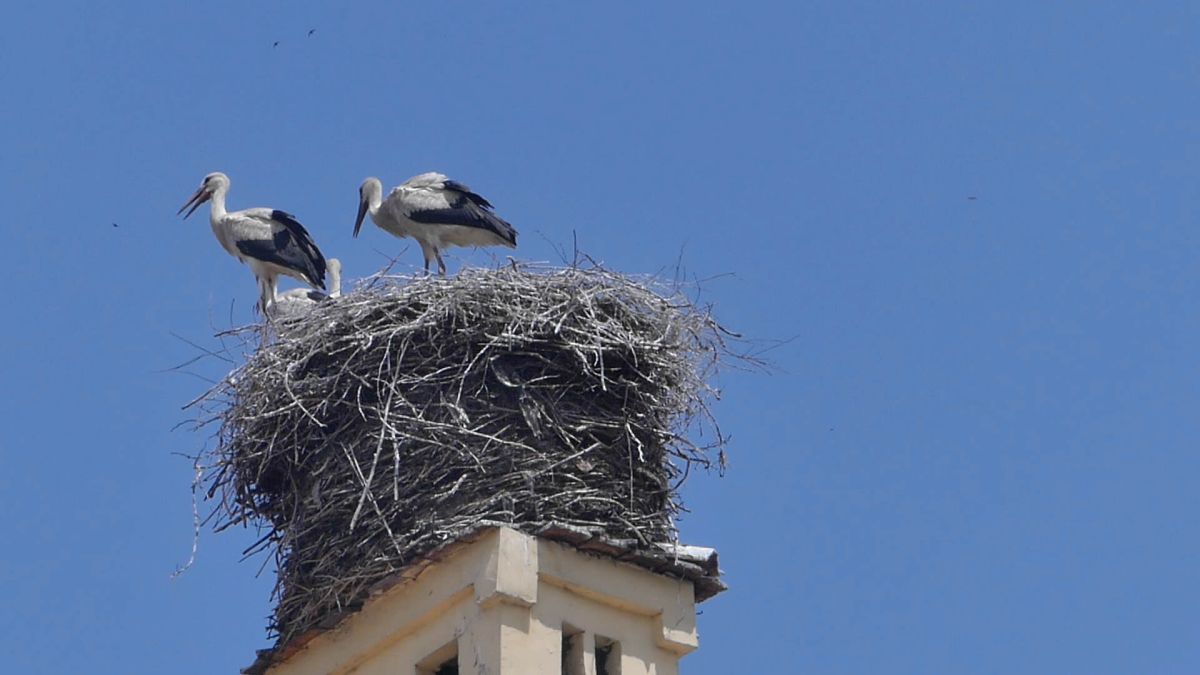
x=388 y=421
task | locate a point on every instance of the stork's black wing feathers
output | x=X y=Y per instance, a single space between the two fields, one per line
x=290 y=247
x=268 y=251
x=296 y=232
x=473 y=197
x=468 y=209
x=468 y=215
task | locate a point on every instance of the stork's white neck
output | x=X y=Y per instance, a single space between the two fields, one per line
x=335 y=277
x=374 y=196
x=218 y=202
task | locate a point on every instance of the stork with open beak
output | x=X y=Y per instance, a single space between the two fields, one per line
x=300 y=301
x=271 y=242
x=437 y=212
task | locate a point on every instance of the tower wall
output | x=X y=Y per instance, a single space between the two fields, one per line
x=505 y=602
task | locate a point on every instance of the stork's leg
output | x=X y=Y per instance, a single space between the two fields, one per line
x=261 y=309
x=264 y=296
x=267 y=287
x=268 y=326
x=441 y=263
x=429 y=252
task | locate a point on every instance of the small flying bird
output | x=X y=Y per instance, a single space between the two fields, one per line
x=300 y=301
x=114 y=224
x=437 y=212
x=311 y=31
x=274 y=44
x=271 y=242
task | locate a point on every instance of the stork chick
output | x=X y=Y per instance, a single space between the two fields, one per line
x=300 y=301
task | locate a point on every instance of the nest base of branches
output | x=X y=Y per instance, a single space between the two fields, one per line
x=393 y=419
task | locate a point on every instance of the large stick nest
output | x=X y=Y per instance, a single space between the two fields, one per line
x=389 y=420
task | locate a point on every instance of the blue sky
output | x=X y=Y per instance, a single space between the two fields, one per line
x=978 y=454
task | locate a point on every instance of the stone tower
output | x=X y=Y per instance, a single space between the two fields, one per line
x=502 y=602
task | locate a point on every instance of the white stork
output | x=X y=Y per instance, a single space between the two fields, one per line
x=437 y=212
x=271 y=242
x=300 y=301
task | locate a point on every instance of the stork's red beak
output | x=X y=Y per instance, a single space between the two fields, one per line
x=202 y=195
x=362 y=213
